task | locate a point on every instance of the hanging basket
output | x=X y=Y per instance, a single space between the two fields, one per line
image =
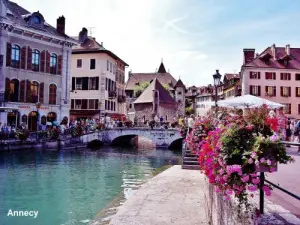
x=262 y=167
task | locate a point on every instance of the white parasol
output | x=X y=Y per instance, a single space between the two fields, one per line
x=249 y=101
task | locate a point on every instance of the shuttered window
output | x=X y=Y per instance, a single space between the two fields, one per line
x=59 y=65
x=84 y=104
x=41 y=99
x=52 y=94
x=43 y=61
x=8 y=54
x=22 y=91
x=23 y=58
x=53 y=63
x=15 y=56
x=7 y=89
x=47 y=62
x=29 y=58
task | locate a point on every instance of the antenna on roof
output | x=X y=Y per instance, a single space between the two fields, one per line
x=91 y=30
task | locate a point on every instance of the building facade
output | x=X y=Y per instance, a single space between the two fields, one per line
x=34 y=67
x=136 y=80
x=274 y=74
x=231 y=85
x=155 y=101
x=97 y=80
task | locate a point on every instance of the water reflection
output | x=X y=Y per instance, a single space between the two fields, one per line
x=72 y=187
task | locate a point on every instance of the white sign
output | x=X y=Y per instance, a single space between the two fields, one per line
x=33 y=214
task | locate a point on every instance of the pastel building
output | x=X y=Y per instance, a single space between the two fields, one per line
x=34 y=67
x=274 y=74
x=98 y=80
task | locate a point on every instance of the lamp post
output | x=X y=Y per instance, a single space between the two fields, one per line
x=99 y=105
x=217 y=78
x=38 y=106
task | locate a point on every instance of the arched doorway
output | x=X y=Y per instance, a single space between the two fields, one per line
x=14 y=90
x=32 y=120
x=12 y=118
x=51 y=117
x=24 y=119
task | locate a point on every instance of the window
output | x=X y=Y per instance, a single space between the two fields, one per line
x=93 y=104
x=254 y=90
x=298 y=108
x=106 y=84
x=271 y=91
x=33 y=92
x=130 y=106
x=254 y=75
x=297 y=91
x=107 y=65
x=105 y=104
x=53 y=63
x=285 y=91
x=36 y=20
x=270 y=76
x=285 y=76
x=110 y=67
x=15 y=56
x=35 y=60
x=77 y=103
x=287 y=108
x=93 y=64
x=79 y=83
x=93 y=83
x=297 y=76
x=52 y=94
x=79 y=63
x=179 y=93
x=14 y=90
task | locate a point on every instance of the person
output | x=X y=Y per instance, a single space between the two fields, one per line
x=282 y=123
x=292 y=127
x=297 y=133
x=288 y=132
x=161 y=121
x=180 y=121
x=156 y=119
x=190 y=122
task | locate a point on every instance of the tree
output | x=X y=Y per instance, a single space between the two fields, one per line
x=138 y=90
x=166 y=86
x=189 y=110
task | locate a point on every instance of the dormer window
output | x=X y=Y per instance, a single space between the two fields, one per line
x=36 y=20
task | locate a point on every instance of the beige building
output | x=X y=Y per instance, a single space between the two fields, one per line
x=97 y=80
x=34 y=67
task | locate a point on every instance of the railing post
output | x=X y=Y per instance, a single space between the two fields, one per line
x=261 y=192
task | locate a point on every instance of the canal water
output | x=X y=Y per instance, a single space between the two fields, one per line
x=71 y=188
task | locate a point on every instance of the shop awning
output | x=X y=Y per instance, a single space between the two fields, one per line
x=7 y=109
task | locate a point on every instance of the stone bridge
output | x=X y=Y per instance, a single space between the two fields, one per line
x=159 y=137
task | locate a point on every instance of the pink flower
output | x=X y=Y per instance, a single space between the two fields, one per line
x=262 y=160
x=267 y=190
x=245 y=178
x=269 y=162
x=253 y=155
x=252 y=188
x=250 y=161
x=226 y=198
x=255 y=181
x=273 y=169
x=229 y=192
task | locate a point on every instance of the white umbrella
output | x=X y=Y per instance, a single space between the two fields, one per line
x=249 y=101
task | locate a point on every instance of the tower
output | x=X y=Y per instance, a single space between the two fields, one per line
x=180 y=97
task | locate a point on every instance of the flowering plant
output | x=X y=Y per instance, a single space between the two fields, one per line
x=22 y=134
x=77 y=131
x=233 y=148
x=54 y=133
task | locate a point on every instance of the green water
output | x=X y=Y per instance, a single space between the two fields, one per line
x=70 y=188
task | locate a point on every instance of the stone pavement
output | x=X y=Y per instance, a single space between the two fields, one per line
x=173 y=197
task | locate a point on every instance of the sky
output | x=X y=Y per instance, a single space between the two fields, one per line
x=192 y=37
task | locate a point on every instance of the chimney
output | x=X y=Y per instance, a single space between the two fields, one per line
x=248 y=54
x=287 y=49
x=60 y=25
x=83 y=35
x=273 y=50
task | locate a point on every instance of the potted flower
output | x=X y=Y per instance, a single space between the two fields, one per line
x=22 y=134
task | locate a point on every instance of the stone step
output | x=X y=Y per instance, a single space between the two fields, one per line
x=190 y=159
x=190 y=155
x=190 y=167
x=190 y=163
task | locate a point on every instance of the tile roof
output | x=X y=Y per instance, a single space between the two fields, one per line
x=280 y=53
x=163 y=78
x=179 y=83
x=90 y=45
x=230 y=76
x=147 y=95
x=21 y=16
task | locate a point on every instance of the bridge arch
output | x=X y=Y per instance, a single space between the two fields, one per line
x=176 y=144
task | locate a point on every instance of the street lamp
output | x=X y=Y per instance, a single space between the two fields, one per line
x=38 y=106
x=99 y=105
x=217 y=78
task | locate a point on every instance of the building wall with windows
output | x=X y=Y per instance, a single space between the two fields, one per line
x=34 y=68
x=274 y=78
x=95 y=75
